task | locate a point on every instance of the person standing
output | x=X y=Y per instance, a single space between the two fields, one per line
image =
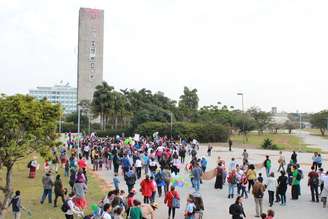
x=324 y=193
x=271 y=186
x=267 y=165
x=135 y=210
x=59 y=190
x=293 y=157
x=236 y=209
x=282 y=187
x=106 y=214
x=230 y=144
x=33 y=166
x=160 y=182
x=219 y=177
x=203 y=163
x=116 y=181
x=209 y=150
x=245 y=157
x=138 y=166
x=47 y=183
x=16 y=203
x=172 y=194
x=149 y=210
x=313 y=183
x=258 y=193
x=296 y=179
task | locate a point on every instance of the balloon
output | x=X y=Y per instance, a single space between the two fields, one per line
x=94 y=207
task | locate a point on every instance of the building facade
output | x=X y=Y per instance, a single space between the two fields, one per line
x=90 y=52
x=63 y=94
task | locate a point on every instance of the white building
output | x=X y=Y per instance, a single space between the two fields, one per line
x=62 y=93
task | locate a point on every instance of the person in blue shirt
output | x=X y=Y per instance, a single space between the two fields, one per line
x=146 y=162
x=126 y=164
x=203 y=163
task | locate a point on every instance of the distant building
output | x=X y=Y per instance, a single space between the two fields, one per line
x=274 y=110
x=90 y=52
x=62 y=93
x=279 y=117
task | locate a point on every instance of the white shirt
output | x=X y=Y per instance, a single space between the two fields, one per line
x=106 y=216
x=271 y=184
x=325 y=181
x=138 y=163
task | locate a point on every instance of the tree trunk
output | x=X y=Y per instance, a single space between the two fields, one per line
x=322 y=130
x=7 y=190
x=290 y=131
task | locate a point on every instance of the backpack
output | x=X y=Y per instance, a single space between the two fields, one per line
x=175 y=203
x=65 y=207
x=299 y=175
x=29 y=165
x=314 y=181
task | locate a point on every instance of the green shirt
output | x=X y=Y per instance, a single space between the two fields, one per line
x=135 y=213
x=295 y=182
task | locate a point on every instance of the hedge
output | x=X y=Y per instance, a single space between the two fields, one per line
x=202 y=132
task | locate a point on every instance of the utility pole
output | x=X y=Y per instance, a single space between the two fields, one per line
x=243 y=110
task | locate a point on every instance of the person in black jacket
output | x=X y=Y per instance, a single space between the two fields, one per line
x=236 y=209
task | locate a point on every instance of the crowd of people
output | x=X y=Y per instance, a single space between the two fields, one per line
x=151 y=164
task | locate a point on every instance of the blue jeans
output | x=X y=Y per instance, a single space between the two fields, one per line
x=231 y=189
x=267 y=171
x=196 y=184
x=46 y=192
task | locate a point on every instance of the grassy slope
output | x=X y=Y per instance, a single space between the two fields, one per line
x=283 y=141
x=31 y=190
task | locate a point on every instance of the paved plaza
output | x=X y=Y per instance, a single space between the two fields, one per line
x=216 y=201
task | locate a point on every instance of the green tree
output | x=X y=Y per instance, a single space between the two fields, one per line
x=27 y=125
x=244 y=123
x=290 y=126
x=188 y=103
x=261 y=118
x=102 y=103
x=319 y=120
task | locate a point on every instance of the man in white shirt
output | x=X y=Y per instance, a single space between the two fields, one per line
x=138 y=166
x=107 y=209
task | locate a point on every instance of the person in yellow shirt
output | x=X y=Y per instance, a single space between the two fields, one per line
x=251 y=176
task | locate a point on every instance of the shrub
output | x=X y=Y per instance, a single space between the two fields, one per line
x=267 y=144
x=202 y=132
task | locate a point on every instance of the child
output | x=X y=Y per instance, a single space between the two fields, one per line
x=243 y=185
x=116 y=182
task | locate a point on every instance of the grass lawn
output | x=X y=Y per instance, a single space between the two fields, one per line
x=283 y=141
x=31 y=191
x=316 y=132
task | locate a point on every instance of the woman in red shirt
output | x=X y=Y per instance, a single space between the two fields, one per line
x=169 y=200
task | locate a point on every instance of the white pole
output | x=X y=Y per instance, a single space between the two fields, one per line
x=78 y=124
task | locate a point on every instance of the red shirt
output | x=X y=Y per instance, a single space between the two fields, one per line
x=169 y=198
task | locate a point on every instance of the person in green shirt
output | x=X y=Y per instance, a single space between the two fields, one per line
x=296 y=179
x=135 y=210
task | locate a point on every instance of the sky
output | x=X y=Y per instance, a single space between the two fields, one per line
x=274 y=51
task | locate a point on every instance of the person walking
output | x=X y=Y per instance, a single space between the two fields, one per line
x=324 y=193
x=209 y=150
x=232 y=181
x=293 y=157
x=146 y=188
x=313 y=183
x=245 y=157
x=281 y=162
x=251 y=176
x=271 y=185
x=190 y=209
x=236 y=209
x=149 y=210
x=71 y=208
x=171 y=196
x=59 y=190
x=258 y=193
x=16 y=203
x=282 y=187
x=47 y=183
x=135 y=210
x=196 y=174
x=203 y=163
x=130 y=179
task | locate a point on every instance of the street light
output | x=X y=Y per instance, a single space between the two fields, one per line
x=242 y=103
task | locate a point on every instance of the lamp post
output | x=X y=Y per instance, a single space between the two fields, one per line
x=243 y=110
